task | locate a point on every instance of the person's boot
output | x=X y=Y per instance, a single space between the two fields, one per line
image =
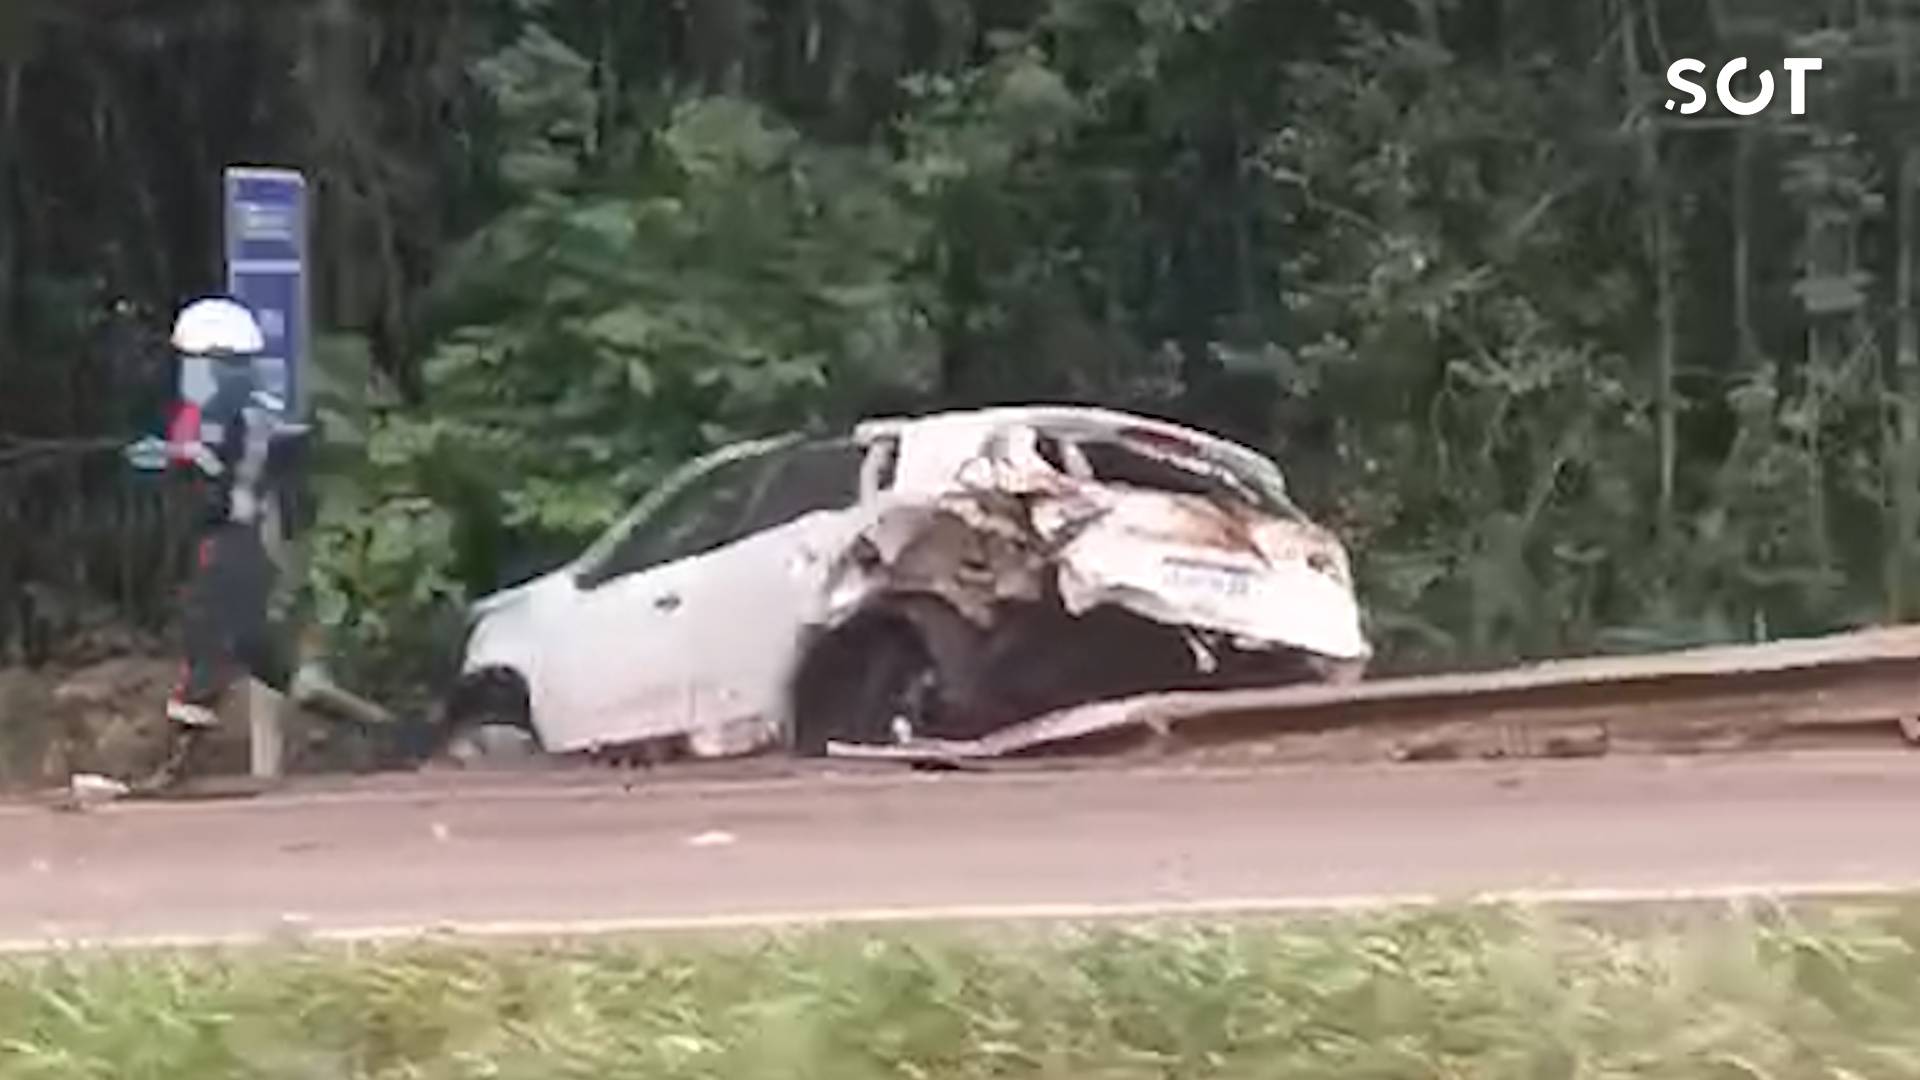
x=168 y=774
x=184 y=714
x=187 y=723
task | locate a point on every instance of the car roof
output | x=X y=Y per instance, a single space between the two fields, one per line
x=962 y=423
x=1070 y=420
x=969 y=426
x=1061 y=418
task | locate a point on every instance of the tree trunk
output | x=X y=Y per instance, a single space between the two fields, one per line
x=9 y=247
x=1747 y=338
x=607 y=78
x=1659 y=244
x=720 y=33
x=1906 y=492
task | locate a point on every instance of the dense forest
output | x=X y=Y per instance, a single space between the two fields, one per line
x=1569 y=370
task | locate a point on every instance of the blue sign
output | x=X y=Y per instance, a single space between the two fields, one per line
x=266 y=214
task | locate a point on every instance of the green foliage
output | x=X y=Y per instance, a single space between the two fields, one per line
x=1469 y=993
x=1451 y=263
x=545 y=102
x=726 y=280
x=381 y=581
x=1474 y=398
x=732 y=281
x=1428 y=256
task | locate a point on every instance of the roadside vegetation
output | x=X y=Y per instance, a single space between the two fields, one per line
x=1483 y=994
x=1570 y=372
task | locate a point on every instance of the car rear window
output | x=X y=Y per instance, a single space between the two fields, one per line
x=1113 y=461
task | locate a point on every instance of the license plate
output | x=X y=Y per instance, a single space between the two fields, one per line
x=1220 y=580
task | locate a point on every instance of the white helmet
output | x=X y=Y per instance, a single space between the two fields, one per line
x=217 y=327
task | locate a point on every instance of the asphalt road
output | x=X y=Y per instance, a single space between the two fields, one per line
x=536 y=853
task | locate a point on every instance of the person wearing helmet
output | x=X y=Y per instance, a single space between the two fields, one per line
x=224 y=434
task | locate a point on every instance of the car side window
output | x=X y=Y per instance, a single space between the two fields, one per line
x=883 y=462
x=693 y=521
x=806 y=480
x=1051 y=451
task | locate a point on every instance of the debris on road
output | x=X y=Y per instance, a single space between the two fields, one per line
x=88 y=790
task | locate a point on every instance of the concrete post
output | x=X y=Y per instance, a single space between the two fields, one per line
x=265 y=707
x=266 y=731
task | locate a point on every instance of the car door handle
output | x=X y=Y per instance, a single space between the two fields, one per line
x=666 y=601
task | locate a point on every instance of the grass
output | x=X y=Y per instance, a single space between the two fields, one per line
x=1483 y=994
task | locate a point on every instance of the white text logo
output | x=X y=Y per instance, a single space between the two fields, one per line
x=1796 y=68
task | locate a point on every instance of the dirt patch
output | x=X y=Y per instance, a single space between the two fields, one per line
x=106 y=717
x=110 y=717
x=27 y=726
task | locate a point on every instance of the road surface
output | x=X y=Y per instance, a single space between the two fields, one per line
x=536 y=854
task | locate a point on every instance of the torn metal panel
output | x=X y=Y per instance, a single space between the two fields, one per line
x=1182 y=561
x=1057 y=729
x=976 y=545
x=1018 y=528
x=972 y=556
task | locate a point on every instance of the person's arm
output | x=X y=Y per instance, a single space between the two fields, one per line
x=223 y=422
x=249 y=451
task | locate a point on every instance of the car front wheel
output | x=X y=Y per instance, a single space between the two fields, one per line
x=488 y=720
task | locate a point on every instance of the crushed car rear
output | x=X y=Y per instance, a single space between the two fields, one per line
x=1077 y=555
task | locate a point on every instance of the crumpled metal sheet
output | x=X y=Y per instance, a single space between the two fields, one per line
x=972 y=557
x=1287 y=582
x=1014 y=524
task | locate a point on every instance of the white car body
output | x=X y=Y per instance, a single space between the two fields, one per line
x=676 y=625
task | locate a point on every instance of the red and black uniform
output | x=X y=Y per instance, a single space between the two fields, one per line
x=225 y=601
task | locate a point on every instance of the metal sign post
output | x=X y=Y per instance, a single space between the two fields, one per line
x=266 y=249
x=266 y=225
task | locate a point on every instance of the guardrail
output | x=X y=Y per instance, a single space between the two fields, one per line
x=1693 y=700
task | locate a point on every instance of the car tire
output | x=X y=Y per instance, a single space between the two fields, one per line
x=488 y=717
x=914 y=663
x=1341 y=672
x=491 y=745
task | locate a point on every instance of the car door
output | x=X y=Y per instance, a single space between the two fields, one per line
x=621 y=668
x=744 y=624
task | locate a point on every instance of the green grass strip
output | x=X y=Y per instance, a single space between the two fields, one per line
x=1776 y=993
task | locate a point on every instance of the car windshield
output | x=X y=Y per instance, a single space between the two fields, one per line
x=609 y=540
x=677 y=482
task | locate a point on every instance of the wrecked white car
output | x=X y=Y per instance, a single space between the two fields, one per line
x=930 y=578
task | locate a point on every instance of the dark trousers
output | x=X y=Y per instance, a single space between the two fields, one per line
x=225 y=616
